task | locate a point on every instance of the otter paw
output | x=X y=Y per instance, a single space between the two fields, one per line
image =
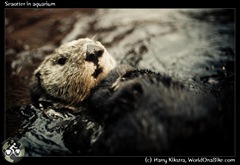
x=50 y=113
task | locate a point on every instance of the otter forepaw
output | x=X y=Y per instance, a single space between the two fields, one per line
x=50 y=113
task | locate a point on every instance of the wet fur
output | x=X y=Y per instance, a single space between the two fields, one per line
x=139 y=112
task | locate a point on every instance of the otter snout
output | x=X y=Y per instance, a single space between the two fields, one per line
x=93 y=53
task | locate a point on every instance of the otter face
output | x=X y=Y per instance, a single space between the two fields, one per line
x=73 y=69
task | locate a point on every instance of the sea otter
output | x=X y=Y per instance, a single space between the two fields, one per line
x=127 y=111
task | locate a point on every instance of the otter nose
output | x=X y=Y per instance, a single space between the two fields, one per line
x=93 y=53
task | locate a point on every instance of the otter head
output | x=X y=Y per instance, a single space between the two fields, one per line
x=71 y=71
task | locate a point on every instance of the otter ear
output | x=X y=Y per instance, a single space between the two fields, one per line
x=35 y=87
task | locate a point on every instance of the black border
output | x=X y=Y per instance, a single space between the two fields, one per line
x=112 y=4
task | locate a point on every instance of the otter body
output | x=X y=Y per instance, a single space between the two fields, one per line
x=139 y=112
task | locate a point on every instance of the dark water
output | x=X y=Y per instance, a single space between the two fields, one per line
x=194 y=46
x=44 y=135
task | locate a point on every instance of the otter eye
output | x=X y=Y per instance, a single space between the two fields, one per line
x=38 y=75
x=62 y=60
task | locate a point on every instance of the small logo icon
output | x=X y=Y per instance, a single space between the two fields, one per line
x=13 y=150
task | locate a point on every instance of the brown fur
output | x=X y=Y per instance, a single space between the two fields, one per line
x=68 y=74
